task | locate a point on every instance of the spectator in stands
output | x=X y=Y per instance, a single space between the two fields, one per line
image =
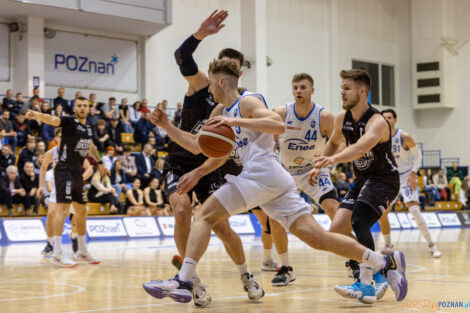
x=134 y=113
x=21 y=127
x=30 y=181
x=57 y=137
x=78 y=94
x=115 y=131
x=38 y=161
x=154 y=199
x=143 y=128
x=47 y=132
x=430 y=189
x=158 y=169
x=124 y=115
x=35 y=96
x=128 y=164
x=15 y=108
x=101 y=136
x=101 y=190
x=92 y=101
x=442 y=184
x=179 y=111
x=35 y=124
x=135 y=200
x=8 y=100
x=28 y=154
x=145 y=163
x=93 y=116
x=110 y=110
x=108 y=158
x=118 y=178
x=342 y=186
x=144 y=104
x=46 y=108
x=58 y=111
x=6 y=129
x=11 y=190
x=62 y=102
x=455 y=178
x=40 y=146
x=7 y=158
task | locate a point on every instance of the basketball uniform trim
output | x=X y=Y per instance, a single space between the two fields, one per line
x=309 y=113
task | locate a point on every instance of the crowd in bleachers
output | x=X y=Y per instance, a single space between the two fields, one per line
x=133 y=183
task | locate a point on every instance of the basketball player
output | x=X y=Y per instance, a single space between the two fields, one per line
x=197 y=107
x=408 y=157
x=262 y=182
x=368 y=137
x=76 y=143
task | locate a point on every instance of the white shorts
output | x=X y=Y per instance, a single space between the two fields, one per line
x=408 y=194
x=323 y=186
x=264 y=183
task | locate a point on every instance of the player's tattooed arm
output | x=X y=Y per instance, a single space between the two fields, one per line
x=45 y=118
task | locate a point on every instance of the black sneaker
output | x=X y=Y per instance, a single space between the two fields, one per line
x=47 y=249
x=74 y=243
x=284 y=276
x=353 y=269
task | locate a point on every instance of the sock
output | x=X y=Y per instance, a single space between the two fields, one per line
x=50 y=240
x=82 y=243
x=73 y=235
x=57 y=244
x=284 y=258
x=419 y=219
x=188 y=270
x=365 y=274
x=267 y=255
x=373 y=258
x=388 y=240
x=243 y=268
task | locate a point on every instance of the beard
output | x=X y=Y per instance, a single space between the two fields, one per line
x=350 y=103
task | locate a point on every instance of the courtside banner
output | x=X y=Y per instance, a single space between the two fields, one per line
x=24 y=230
x=141 y=227
x=403 y=219
x=241 y=224
x=91 y=62
x=106 y=228
x=167 y=225
x=464 y=218
x=4 y=53
x=449 y=219
x=431 y=219
x=393 y=220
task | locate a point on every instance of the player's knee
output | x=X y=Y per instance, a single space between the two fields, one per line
x=182 y=213
x=223 y=231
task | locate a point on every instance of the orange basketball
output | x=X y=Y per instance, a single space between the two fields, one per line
x=216 y=142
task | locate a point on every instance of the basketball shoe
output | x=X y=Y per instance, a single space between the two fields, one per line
x=85 y=257
x=200 y=296
x=74 y=243
x=62 y=261
x=174 y=288
x=177 y=261
x=394 y=271
x=353 y=269
x=388 y=248
x=270 y=266
x=364 y=293
x=284 y=276
x=48 y=250
x=435 y=253
x=254 y=290
x=381 y=285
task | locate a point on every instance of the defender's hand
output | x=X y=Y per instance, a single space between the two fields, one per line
x=211 y=25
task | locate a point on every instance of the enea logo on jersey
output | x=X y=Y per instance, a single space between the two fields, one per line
x=76 y=63
x=299 y=145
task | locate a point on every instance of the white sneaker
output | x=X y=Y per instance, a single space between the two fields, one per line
x=435 y=253
x=62 y=261
x=85 y=257
x=270 y=266
x=284 y=276
x=387 y=249
x=200 y=296
x=254 y=290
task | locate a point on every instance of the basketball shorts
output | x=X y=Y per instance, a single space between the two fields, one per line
x=324 y=188
x=408 y=194
x=205 y=187
x=376 y=191
x=264 y=183
x=69 y=186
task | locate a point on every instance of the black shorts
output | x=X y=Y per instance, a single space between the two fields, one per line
x=69 y=186
x=205 y=187
x=376 y=191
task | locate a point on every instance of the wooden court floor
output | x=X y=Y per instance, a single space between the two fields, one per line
x=28 y=283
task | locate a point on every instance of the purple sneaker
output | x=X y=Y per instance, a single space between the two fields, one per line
x=176 y=289
x=395 y=274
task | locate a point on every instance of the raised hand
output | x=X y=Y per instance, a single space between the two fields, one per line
x=159 y=118
x=212 y=24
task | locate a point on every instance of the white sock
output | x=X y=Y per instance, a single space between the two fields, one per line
x=284 y=258
x=50 y=240
x=419 y=219
x=57 y=244
x=267 y=255
x=365 y=274
x=82 y=243
x=373 y=258
x=243 y=268
x=387 y=239
x=73 y=235
x=188 y=269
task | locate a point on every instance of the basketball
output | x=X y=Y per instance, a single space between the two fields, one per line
x=216 y=142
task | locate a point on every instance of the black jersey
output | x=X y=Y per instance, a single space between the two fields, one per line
x=75 y=144
x=379 y=160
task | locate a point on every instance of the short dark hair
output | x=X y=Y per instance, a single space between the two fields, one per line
x=390 y=111
x=232 y=54
x=301 y=76
x=225 y=66
x=112 y=99
x=358 y=75
x=34 y=98
x=82 y=99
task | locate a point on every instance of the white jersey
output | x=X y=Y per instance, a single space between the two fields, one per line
x=302 y=140
x=403 y=157
x=55 y=158
x=249 y=144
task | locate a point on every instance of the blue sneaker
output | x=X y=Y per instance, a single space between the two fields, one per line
x=176 y=289
x=381 y=285
x=47 y=249
x=395 y=273
x=364 y=293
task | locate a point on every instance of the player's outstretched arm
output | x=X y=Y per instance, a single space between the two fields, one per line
x=45 y=118
x=184 y=54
